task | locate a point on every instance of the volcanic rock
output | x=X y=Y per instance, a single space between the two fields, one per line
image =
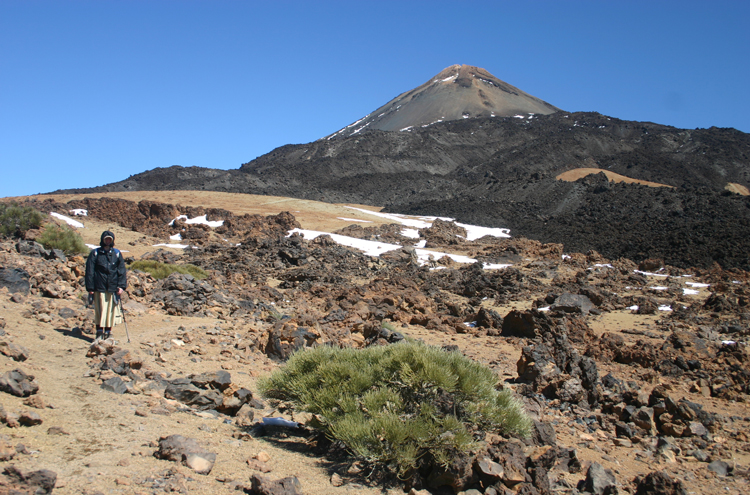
x=187 y=451
x=40 y=482
x=18 y=383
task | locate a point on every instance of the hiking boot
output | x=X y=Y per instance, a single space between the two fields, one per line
x=107 y=335
x=99 y=335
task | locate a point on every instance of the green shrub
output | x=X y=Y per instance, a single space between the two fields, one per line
x=15 y=219
x=389 y=326
x=163 y=270
x=62 y=237
x=407 y=405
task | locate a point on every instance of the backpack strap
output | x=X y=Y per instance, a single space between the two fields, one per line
x=117 y=251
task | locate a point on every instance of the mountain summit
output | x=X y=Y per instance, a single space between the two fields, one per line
x=457 y=92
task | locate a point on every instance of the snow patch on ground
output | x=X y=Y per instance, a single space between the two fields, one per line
x=354 y=220
x=473 y=232
x=198 y=220
x=68 y=220
x=175 y=246
x=376 y=248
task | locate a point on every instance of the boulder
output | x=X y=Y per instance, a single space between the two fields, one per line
x=218 y=380
x=40 y=482
x=186 y=451
x=15 y=279
x=18 y=383
x=519 y=324
x=658 y=483
x=260 y=485
x=31 y=248
x=117 y=385
x=721 y=468
x=13 y=351
x=572 y=303
x=599 y=481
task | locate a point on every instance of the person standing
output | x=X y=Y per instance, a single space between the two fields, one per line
x=106 y=280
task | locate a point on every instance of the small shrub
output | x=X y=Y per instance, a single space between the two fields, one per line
x=163 y=270
x=16 y=220
x=62 y=237
x=389 y=326
x=409 y=405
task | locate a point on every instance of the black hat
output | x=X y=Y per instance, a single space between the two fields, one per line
x=106 y=234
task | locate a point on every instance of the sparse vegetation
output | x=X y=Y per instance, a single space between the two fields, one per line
x=389 y=326
x=406 y=405
x=163 y=270
x=15 y=220
x=62 y=237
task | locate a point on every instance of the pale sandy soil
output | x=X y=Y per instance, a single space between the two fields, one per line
x=577 y=173
x=313 y=215
x=737 y=188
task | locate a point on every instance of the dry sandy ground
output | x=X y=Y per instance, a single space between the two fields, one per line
x=109 y=448
x=313 y=215
x=577 y=173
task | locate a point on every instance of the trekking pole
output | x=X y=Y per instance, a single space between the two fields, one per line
x=122 y=312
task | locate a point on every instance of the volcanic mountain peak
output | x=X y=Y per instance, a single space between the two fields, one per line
x=457 y=92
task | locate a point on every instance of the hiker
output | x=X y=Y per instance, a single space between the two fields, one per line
x=105 y=283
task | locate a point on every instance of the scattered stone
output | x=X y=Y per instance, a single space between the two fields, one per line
x=599 y=481
x=117 y=385
x=721 y=468
x=35 y=401
x=18 y=383
x=9 y=418
x=257 y=465
x=56 y=430
x=200 y=463
x=336 y=480
x=572 y=303
x=187 y=451
x=658 y=483
x=218 y=380
x=489 y=471
x=700 y=455
x=622 y=442
x=261 y=485
x=7 y=452
x=30 y=418
x=16 y=280
x=13 y=351
x=34 y=482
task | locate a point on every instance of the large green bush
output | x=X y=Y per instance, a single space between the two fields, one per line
x=62 y=237
x=407 y=405
x=163 y=270
x=16 y=219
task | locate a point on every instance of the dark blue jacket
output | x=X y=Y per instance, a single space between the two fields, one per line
x=105 y=270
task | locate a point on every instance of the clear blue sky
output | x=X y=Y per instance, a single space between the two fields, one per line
x=92 y=92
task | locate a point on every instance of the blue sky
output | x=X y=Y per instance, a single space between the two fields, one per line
x=92 y=92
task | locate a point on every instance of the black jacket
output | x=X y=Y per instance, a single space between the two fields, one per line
x=105 y=270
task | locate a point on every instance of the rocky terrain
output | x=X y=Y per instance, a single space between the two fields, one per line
x=502 y=172
x=636 y=374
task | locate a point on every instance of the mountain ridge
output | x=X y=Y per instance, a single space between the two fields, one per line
x=501 y=172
